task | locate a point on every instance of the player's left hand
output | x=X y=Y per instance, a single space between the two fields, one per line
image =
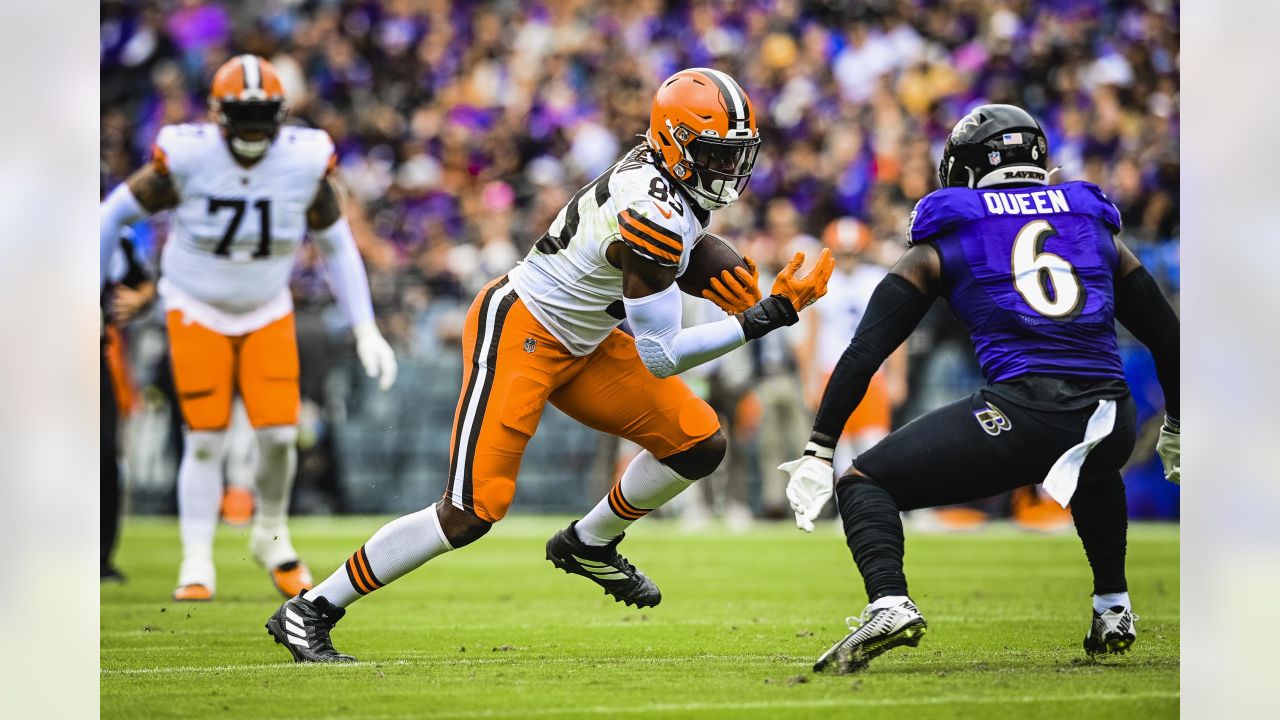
x=737 y=289
x=127 y=302
x=1169 y=448
x=812 y=481
x=377 y=357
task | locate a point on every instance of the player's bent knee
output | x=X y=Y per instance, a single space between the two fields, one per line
x=700 y=460
x=460 y=527
x=279 y=436
x=855 y=476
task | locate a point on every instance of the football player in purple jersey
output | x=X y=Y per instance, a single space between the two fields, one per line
x=1037 y=274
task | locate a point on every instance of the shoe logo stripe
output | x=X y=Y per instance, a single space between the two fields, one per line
x=298 y=641
x=293 y=616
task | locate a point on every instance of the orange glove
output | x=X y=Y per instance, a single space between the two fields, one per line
x=803 y=292
x=735 y=290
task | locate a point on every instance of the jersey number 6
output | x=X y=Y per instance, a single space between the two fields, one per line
x=237 y=206
x=1047 y=282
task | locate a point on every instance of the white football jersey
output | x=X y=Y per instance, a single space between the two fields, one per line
x=236 y=230
x=842 y=308
x=566 y=281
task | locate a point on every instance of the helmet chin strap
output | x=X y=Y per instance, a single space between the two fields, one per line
x=249 y=148
x=728 y=196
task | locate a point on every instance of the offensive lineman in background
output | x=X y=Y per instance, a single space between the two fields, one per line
x=244 y=191
x=548 y=332
x=1038 y=276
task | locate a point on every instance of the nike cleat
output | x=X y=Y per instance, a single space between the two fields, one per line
x=603 y=566
x=303 y=627
x=194 y=592
x=1111 y=632
x=875 y=633
x=291 y=578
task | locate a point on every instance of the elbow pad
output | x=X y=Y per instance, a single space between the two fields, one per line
x=664 y=347
x=768 y=315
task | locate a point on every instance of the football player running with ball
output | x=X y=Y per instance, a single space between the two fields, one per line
x=244 y=191
x=548 y=332
x=1037 y=275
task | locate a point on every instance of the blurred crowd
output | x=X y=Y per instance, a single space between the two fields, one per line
x=463 y=127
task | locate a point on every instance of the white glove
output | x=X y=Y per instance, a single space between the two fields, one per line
x=1169 y=448
x=377 y=357
x=812 y=481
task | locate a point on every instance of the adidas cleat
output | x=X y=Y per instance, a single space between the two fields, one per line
x=303 y=627
x=876 y=632
x=1111 y=632
x=603 y=566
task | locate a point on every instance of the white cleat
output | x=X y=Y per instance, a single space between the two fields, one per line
x=1112 y=631
x=872 y=634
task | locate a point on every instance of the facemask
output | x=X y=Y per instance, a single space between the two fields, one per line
x=249 y=148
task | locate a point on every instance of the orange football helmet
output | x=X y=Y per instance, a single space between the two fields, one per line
x=703 y=131
x=847 y=235
x=247 y=98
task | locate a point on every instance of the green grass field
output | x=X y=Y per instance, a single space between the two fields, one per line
x=495 y=631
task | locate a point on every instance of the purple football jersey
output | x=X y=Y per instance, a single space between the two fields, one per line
x=1029 y=271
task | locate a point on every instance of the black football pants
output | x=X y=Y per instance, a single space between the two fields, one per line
x=976 y=447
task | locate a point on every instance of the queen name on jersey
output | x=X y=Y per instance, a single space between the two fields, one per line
x=1057 y=316
x=569 y=284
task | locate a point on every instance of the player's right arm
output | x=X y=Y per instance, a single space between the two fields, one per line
x=897 y=306
x=653 y=306
x=1144 y=311
x=146 y=192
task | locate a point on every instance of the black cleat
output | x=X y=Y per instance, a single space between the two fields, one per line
x=875 y=633
x=603 y=566
x=303 y=627
x=1111 y=631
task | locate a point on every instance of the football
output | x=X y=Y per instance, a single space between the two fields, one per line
x=711 y=256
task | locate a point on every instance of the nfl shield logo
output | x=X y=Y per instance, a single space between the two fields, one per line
x=530 y=345
x=994 y=157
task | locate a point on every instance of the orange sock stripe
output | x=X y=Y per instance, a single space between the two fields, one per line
x=368 y=569
x=623 y=509
x=354 y=576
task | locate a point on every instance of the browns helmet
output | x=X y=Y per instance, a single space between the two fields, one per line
x=847 y=235
x=703 y=130
x=995 y=145
x=247 y=98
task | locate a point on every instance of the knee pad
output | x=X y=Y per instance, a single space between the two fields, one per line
x=700 y=460
x=205 y=445
x=277 y=435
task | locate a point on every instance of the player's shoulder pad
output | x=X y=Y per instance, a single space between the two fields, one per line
x=1089 y=199
x=650 y=221
x=940 y=211
x=311 y=146
x=654 y=229
x=179 y=147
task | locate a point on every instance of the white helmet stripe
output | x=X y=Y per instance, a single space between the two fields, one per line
x=252 y=72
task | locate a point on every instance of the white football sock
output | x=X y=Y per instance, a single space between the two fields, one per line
x=1106 y=601
x=889 y=601
x=646 y=485
x=199 y=499
x=401 y=545
x=277 y=464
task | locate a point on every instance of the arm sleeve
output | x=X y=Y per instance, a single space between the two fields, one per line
x=895 y=308
x=1143 y=309
x=118 y=211
x=666 y=348
x=345 y=271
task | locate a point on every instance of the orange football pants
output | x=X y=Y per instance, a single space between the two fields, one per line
x=209 y=367
x=513 y=366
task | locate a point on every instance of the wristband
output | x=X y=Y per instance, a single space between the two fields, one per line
x=822 y=452
x=768 y=315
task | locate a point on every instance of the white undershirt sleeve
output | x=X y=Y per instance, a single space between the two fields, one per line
x=345 y=271
x=118 y=210
x=668 y=349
